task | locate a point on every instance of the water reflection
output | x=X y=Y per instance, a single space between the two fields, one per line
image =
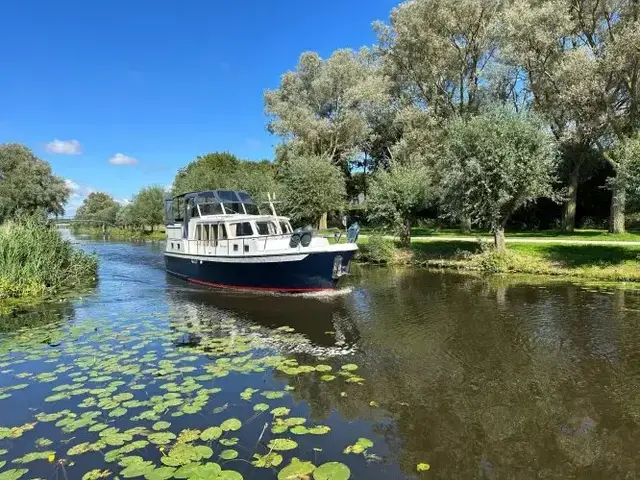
x=480 y=377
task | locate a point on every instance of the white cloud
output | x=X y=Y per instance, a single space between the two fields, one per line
x=168 y=188
x=122 y=159
x=78 y=195
x=64 y=147
x=123 y=201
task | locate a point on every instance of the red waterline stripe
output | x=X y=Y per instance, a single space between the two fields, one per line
x=264 y=289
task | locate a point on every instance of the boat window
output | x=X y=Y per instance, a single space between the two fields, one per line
x=266 y=228
x=241 y=229
x=251 y=208
x=205 y=233
x=178 y=209
x=198 y=232
x=214 y=233
x=211 y=208
x=223 y=232
x=286 y=228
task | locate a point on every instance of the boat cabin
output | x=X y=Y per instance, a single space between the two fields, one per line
x=223 y=222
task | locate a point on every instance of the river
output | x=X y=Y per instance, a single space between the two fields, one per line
x=476 y=377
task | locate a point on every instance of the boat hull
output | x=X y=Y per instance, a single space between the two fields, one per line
x=286 y=273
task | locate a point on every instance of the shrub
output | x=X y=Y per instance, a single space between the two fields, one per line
x=35 y=260
x=379 y=249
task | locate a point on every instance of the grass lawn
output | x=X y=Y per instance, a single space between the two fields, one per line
x=580 y=234
x=596 y=262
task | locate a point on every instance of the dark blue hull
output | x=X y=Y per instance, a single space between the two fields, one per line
x=317 y=271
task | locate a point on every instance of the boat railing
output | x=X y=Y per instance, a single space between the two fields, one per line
x=227 y=247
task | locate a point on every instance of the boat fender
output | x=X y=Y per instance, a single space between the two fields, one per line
x=295 y=240
x=305 y=239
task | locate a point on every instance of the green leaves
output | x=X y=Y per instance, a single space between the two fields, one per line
x=162 y=425
x=260 y=407
x=272 y=459
x=211 y=433
x=423 y=467
x=161 y=438
x=360 y=446
x=296 y=470
x=228 y=454
x=13 y=474
x=282 y=444
x=332 y=471
x=232 y=424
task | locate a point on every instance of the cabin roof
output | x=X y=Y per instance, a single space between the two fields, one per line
x=235 y=218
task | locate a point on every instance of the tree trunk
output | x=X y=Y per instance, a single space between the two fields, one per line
x=405 y=234
x=618 y=203
x=322 y=223
x=498 y=238
x=465 y=224
x=569 y=207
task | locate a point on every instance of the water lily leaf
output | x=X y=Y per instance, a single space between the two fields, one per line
x=282 y=444
x=228 y=454
x=96 y=474
x=161 y=425
x=203 y=451
x=229 y=475
x=332 y=471
x=33 y=456
x=280 y=411
x=272 y=459
x=232 y=424
x=299 y=430
x=261 y=407
x=296 y=470
x=327 y=378
x=323 y=368
x=350 y=367
x=360 y=446
x=43 y=442
x=130 y=460
x=279 y=428
x=160 y=473
x=13 y=474
x=272 y=395
x=221 y=408
x=423 y=467
x=211 y=433
x=138 y=469
x=188 y=435
x=229 y=442
x=161 y=438
x=197 y=471
x=118 y=412
x=319 y=430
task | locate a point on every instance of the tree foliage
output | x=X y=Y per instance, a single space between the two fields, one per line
x=312 y=185
x=28 y=185
x=147 y=207
x=98 y=207
x=225 y=171
x=396 y=196
x=323 y=104
x=495 y=163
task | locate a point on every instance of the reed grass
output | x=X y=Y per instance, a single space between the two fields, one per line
x=35 y=261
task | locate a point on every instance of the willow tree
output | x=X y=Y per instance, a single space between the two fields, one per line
x=436 y=53
x=582 y=64
x=312 y=186
x=319 y=109
x=502 y=161
x=397 y=196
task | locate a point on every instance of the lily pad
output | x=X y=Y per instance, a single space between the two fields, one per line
x=211 y=433
x=423 y=467
x=282 y=444
x=160 y=473
x=332 y=471
x=280 y=411
x=13 y=474
x=296 y=470
x=350 y=367
x=96 y=474
x=228 y=454
x=261 y=407
x=269 y=460
x=232 y=424
x=161 y=438
x=161 y=425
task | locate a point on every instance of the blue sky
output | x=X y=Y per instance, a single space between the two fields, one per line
x=157 y=82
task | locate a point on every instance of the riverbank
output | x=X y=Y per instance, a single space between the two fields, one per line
x=36 y=263
x=127 y=234
x=603 y=262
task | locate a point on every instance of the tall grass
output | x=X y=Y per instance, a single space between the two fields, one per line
x=36 y=261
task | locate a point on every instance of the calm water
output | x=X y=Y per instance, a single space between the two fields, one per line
x=479 y=378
